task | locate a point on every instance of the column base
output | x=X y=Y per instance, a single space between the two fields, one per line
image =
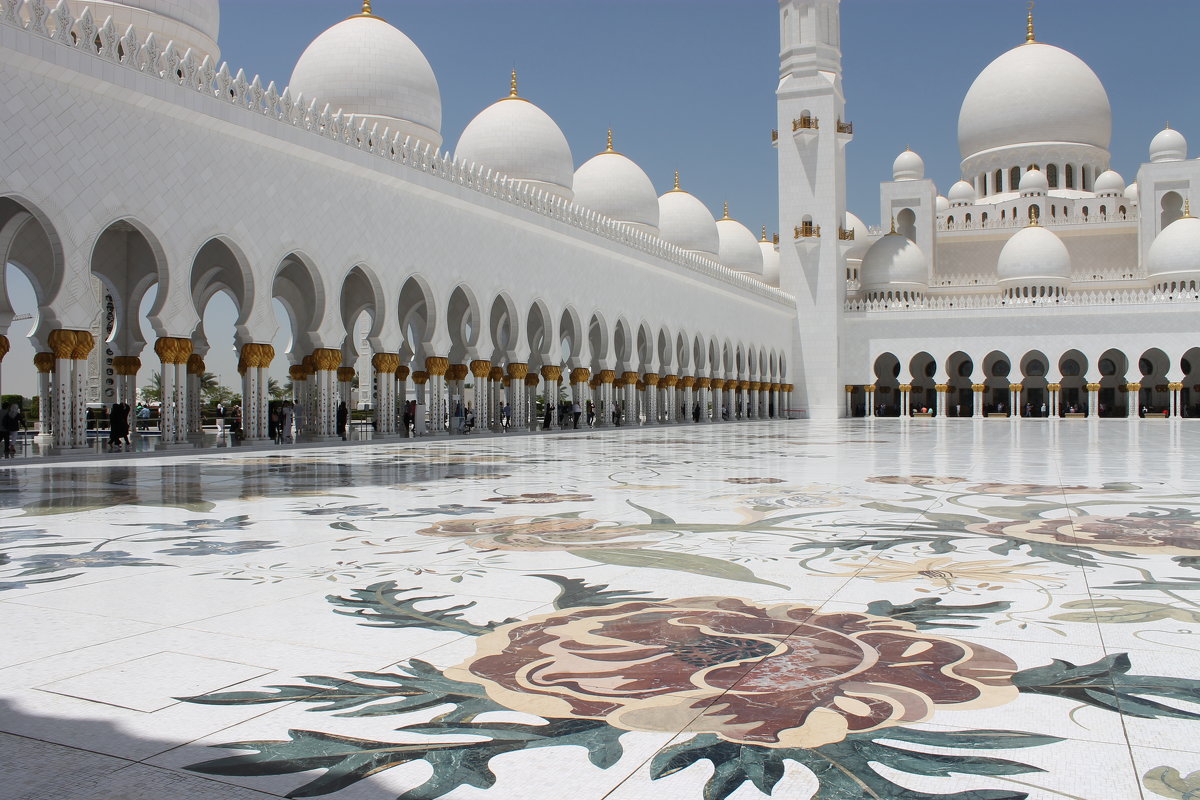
x=44 y=440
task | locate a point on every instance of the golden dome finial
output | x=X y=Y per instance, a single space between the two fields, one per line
x=366 y=8
x=764 y=234
x=1187 y=207
x=1034 y=213
x=610 y=147
x=1029 y=24
x=726 y=210
x=893 y=224
x=677 y=180
x=512 y=86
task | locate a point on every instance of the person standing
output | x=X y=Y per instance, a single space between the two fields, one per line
x=10 y=423
x=576 y=413
x=118 y=426
x=343 y=415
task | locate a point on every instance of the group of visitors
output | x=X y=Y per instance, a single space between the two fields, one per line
x=118 y=427
x=11 y=421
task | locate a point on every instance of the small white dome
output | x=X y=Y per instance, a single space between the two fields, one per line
x=1174 y=254
x=1109 y=183
x=365 y=67
x=908 y=166
x=517 y=139
x=770 y=257
x=1034 y=93
x=1033 y=182
x=617 y=187
x=1168 y=145
x=862 y=242
x=737 y=247
x=1131 y=192
x=1033 y=256
x=962 y=194
x=685 y=222
x=894 y=263
x=941 y=204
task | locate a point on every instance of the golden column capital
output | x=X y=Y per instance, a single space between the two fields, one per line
x=173 y=350
x=687 y=381
x=326 y=359
x=44 y=362
x=869 y=388
x=641 y=387
x=978 y=387
x=385 y=362
x=242 y=366
x=1174 y=387
x=1053 y=387
x=122 y=365
x=531 y=379
x=258 y=355
x=84 y=342
x=481 y=369
x=905 y=388
x=1093 y=387
x=496 y=374
x=631 y=378
x=718 y=383
x=62 y=343
x=1133 y=387
x=943 y=388
x=195 y=364
x=402 y=371
x=457 y=372
x=580 y=375
x=788 y=387
x=744 y=385
x=1015 y=387
x=345 y=374
x=518 y=371
x=4 y=347
x=309 y=364
x=297 y=372
x=849 y=387
x=435 y=365
x=669 y=380
x=774 y=387
x=552 y=373
x=650 y=379
x=607 y=376
x=704 y=383
x=420 y=377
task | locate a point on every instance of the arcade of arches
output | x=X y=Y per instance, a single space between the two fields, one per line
x=1066 y=384
x=424 y=340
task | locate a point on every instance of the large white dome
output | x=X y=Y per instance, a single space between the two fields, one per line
x=685 y=222
x=1033 y=94
x=1174 y=255
x=517 y=139
x=368 y=68
x=188 y=23
x=617 y=187
x=862 y=240
x=737 y=247
x=1168 y=145
x=1033 y=256
x=894 y=263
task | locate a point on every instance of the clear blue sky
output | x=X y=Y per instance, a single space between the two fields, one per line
x=689 y=84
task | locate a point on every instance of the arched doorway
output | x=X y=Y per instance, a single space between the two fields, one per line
x=887 y=400
x=960 y=401
x=1112 y=401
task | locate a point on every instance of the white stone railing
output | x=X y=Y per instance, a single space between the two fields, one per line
x=995 y=223
x=150 y=57
x=984 y=279
x=994 y=300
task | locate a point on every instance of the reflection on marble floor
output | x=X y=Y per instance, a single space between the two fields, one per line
x=976 y=610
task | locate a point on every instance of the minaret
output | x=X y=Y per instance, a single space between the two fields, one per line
x=812 y=137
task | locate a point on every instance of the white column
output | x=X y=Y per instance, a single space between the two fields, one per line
x=1093 y=400
x=1133 y=400
x=977 y=390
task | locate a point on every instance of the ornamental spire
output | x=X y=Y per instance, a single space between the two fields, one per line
x=1029 y=24
x=512 y=87
x=764 y=234
x=726 y=210
x=677 y=180
x=610 y=146
x=366 y=8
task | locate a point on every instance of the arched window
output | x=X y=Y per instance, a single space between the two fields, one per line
x=1002 y=217
x=906 y=224
x=1052 y=175
x=1122 y=212
x=1035 y=212
x=1014 y=179
x=1172 y=208
x=983 y=219
x=1085 y=212
x=1085 y=178
x=1103 y=212
x=1070 y=172
x=998 y=181
x=950 y=221
x=1053 y=210
x=967 y=219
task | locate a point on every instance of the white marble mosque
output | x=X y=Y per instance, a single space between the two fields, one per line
x=899 y=597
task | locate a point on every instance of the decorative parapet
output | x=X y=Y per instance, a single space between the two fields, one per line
x=995 y=223
x=994 y=300
x=808 y=230
x=845 y=127
x=846 y=235
x=805 y=123
x=150 y=57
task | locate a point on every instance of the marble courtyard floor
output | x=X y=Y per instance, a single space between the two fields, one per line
x=972 y=610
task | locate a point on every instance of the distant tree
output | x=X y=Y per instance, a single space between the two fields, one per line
x=152 y=391
x=217 y=394
x=277 y=390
